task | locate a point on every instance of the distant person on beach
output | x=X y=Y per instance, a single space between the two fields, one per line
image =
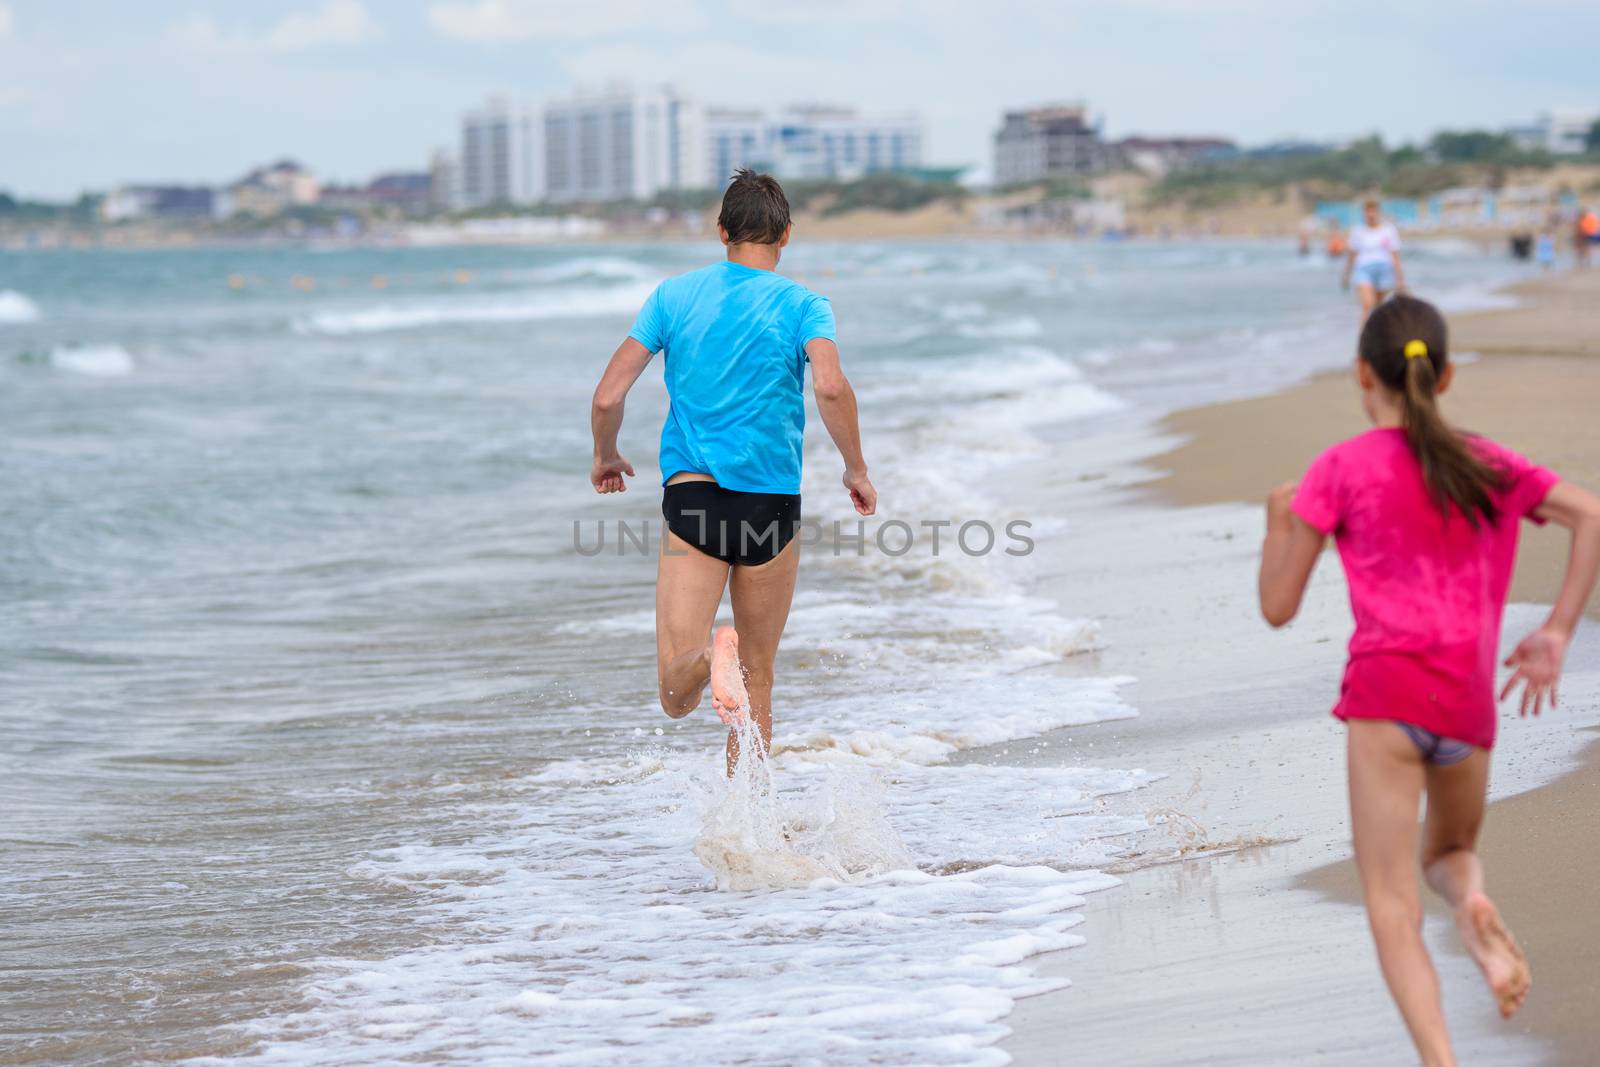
x=1544 y=250
x=736 y=338
x=1585 y=233
x=1373 y=259
x=1426 y=521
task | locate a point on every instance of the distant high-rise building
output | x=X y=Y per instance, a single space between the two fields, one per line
x=502 y=161
x=810 y=141
x=444 y=181
x=1054 y=141
x=622 y=144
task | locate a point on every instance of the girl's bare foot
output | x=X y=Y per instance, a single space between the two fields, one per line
x=728 y=695
x=1496 y=952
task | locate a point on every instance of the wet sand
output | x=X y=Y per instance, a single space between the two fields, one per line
x=1539 y=394
x=1260 y=954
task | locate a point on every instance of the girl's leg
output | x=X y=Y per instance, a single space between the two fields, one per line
x=1450 y=862
x=1368 y=297
x=1386 y=780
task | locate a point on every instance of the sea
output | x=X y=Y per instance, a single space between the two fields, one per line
x=328 y=726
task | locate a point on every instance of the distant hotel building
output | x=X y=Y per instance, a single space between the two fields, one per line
x=634 y=144
x=810 y=141
x=1558 y=132
x=502 y=160
x=1059 y=141
x=128 y=202
x=265 y=191
x=622 y=144
x=1055 y=141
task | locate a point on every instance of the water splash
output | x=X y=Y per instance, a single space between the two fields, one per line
x=753 y=838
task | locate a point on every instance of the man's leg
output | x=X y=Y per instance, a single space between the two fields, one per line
x=1450 y=861
x=689 y=587
x=761 y=597
x=1385 y=790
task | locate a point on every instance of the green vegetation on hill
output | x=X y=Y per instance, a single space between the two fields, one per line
x=881 y=192
x=85 y=209
x=1450 y=158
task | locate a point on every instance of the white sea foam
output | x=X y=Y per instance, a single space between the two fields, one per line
x=96 y=361
x=580 y=268
x=579 y=911
x=1020 y=327
x=562 y=303
x=16 y=308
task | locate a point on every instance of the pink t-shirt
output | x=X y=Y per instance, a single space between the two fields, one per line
x=1427 y=589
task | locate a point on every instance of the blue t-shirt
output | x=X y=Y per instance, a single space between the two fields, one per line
x=735 y=342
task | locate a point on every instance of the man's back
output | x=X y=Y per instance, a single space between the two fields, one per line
x=734 y=339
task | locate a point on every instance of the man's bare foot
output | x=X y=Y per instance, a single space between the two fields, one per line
x=728 y=695
x=1496 y=952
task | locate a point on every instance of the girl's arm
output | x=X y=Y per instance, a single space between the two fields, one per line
x=1399 y=272
x=1287 y=557
x=1537 y=659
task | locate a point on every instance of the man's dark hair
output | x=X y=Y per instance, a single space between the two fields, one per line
x=754 y=209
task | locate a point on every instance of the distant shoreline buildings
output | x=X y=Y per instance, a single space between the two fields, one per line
x=634 y=145
x=1061 y=141
x=624 y=143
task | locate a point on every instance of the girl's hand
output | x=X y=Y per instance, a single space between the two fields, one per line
x=1538 y=666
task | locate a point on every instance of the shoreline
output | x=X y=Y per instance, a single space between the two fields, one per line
x=1257 y=768
x=1522 y=374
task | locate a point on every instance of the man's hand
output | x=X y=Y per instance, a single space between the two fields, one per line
x=1279 y=514
x=606 y=474
x=1538 y=666
x=862 y=495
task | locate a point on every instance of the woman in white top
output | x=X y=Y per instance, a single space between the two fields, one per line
x=1374 y=260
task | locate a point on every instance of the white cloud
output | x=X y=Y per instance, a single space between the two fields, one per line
x=14 y=96
x=819 y=12
x=6 y=21
x=337 y=23
x=503 y=21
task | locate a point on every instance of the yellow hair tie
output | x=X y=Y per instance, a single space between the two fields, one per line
x=1416 y=349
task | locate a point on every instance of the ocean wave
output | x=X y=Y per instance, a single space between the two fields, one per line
x=1020 y=327
x=583 y=268
x=16 y=308
x=574 y=303
x=95 y=361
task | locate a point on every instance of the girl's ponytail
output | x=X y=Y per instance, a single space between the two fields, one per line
x=1405 y=343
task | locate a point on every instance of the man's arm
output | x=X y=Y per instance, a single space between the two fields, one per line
x=605 y=416
x=836 y=402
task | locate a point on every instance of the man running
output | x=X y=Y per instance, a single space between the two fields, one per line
x=736 y=338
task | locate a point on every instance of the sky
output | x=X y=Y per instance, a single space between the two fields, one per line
x=97 y=92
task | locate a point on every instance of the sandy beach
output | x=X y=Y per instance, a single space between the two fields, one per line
x=1272 y=919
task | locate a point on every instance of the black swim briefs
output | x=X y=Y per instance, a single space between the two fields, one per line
x=747 y=529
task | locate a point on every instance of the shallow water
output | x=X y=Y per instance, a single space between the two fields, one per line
x=319 y=742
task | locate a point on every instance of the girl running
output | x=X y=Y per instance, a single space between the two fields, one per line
x=1426 y=523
